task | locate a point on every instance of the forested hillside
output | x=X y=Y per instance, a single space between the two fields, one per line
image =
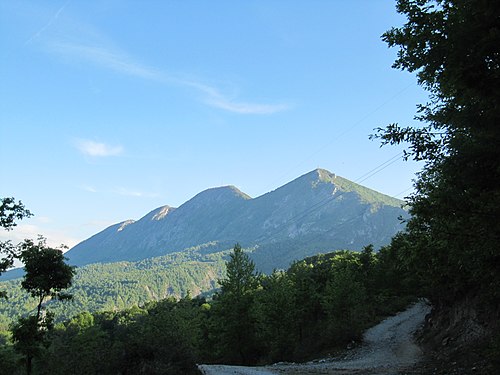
x=318 y=304
x=116 y=286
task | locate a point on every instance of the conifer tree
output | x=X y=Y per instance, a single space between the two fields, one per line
x=233 y=313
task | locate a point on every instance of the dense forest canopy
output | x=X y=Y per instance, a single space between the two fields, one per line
x=318 y=304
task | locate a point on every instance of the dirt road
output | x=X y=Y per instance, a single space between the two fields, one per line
x=388 y=348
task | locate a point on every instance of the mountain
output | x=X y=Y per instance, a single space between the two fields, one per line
x=316 y=212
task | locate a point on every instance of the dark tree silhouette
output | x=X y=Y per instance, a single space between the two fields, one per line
x=10 y=211
x=453 y=46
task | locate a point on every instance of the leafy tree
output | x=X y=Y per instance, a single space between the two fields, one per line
x=453 y=46
x=30 y=337
x=345 y=303
x=9 y=360
x=141 y=340
x=10 y=211
x=158 y=343
x=277 y=318
x=307 y=291
x=46 y=275
x=395 y=283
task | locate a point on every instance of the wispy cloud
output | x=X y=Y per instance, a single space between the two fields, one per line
x=107 y=58
x=216 y=99
x=71 y=39
x=120 y=191
x=47 y=25
x=97 y=149
x=246 y=108
x=89 y=188
x=121 y=63
x=133 y=193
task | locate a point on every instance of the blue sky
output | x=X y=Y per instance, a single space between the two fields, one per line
x=109 y=109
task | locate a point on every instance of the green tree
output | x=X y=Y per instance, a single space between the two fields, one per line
x=345 y=303
x=46 y=276
x=233 y=313
x=241 y=278
x=453 y=46
x=395 y=284
x=10 y=211
x=306 y=293
x=158 y=343
x=30 y=337
x=46 y=272
x=277 y=319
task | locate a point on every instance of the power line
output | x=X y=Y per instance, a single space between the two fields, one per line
x=346 y=131
x=327 y=200
x=402 y=192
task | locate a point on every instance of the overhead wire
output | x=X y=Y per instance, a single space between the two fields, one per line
x=346 y=131
x=360 y=179
x=402 y=192
x=301 y=215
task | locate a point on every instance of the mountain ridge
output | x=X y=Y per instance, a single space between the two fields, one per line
x=317 y=211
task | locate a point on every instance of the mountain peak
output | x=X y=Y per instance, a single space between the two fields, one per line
x=124 y=224
x=221 y=193
x=325 y=175
x=161 y=212
x=158 y=213
x=313 y=177
x=319 y=174
x=328 y=180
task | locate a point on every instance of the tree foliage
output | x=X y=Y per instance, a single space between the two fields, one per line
x=46 y=275
x=46 y=272
x=29 y=335
x=451 y=243
x=318 y=304
x=117 y=286
x=235 y=318
x=10 y=212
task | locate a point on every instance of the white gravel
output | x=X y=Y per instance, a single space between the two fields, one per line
x=234 y=370
x=388 y=348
